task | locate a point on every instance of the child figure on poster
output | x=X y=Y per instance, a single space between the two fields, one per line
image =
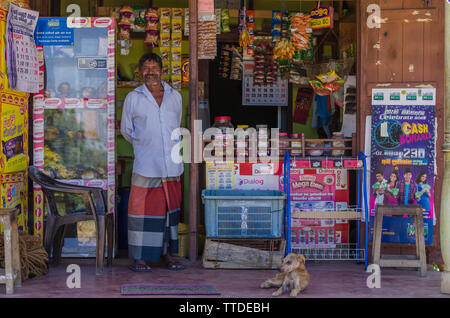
x=391 y=192
x=423 y=191
x=407 y=189
x=379 y=188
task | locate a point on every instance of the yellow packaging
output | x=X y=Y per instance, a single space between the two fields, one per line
x=176 y=54
x=177 y=13
x=165 y=68
x=220 y=175
x=165 y=54
x=3 y=68
x=14 y=131
x=176 y=68
x=13 y=193
x=165 y=25
x=177 y=25
x=176 y=81
x=164 y=40
x=176 y=39
x=165 y=13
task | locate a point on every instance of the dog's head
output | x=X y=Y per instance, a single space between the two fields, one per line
x=292 y=262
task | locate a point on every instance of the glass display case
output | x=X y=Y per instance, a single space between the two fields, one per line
x=73 y=119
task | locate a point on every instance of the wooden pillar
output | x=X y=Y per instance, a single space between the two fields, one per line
x=193 y=109
x=445 y=199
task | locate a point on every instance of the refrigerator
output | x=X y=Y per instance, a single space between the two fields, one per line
x=73 y=118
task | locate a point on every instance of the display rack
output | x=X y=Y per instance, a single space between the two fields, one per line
x=350 y=251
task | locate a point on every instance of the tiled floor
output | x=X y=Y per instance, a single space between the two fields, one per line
x=328 y=280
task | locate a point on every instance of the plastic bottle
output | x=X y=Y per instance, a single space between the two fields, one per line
x=223 y=144
x=296 y=145
x=283 y=143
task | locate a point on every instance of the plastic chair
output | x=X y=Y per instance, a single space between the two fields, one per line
x=95 y=209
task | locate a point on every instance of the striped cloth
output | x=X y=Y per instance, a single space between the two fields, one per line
x=153 y=217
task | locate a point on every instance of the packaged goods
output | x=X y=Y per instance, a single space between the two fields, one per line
x=300 y=31
x=207 y=44
x=225 y=20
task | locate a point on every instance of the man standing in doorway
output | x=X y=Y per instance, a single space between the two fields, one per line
x=150 y=113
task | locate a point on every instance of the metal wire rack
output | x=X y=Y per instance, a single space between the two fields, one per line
x=342 y=252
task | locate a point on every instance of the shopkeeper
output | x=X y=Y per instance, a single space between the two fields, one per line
x=150 y=113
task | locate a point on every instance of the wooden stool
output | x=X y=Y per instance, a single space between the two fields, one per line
x=414 y=210
x=11 y=276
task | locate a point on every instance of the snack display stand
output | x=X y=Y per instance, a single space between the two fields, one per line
x=359 y=213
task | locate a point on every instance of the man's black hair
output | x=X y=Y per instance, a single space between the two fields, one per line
x=407 y=170
x=150 y=57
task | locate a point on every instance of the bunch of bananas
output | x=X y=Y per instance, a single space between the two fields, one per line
x=284 y=50
x=245 y=40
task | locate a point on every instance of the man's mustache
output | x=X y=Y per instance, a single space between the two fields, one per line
x=150 y=76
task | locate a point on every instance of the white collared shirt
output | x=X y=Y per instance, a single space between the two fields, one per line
x=148 y=127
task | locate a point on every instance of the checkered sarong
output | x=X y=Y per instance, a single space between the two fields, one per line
x=153 y=217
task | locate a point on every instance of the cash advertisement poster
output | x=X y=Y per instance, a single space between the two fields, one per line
x=403 y=158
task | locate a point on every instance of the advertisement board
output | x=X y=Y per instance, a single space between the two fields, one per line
x=403 y=155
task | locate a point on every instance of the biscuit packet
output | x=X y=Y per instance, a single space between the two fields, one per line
x=165 y=39
x=176 y=67
x=176 y=54
x=165 y=68
x=165 y=13
x=165 y=26
x=176 y=82
x=176 y=39
x=186 y=21
x=225 y=20
x=165 y=54
x=177 y=13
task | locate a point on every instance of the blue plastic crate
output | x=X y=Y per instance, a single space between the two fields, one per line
x=243 y=213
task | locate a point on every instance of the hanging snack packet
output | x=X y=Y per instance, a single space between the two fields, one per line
x=186 y=22
x=151 y=38
x=165 y=54
x=177 y=13
x=176 y=68
x=165 y=13
x=165 y=39
x=165 y=25
x=176 y=54
x=165 y=68
x=176 y=25
x=176 y=39
x=330 y=77
x=176 y=81
x=225 y=20
x=276 y=26
x=319 y=88
x=218 y=21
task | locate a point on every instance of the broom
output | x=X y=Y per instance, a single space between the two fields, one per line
x=33 y=257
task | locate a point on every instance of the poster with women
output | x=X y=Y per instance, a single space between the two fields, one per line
x=403 y=155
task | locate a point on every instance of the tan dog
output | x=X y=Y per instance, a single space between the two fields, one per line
x=293 y=276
